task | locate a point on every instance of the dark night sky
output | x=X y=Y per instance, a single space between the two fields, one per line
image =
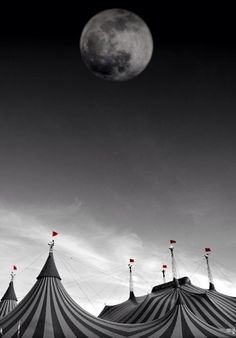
x=151 y=158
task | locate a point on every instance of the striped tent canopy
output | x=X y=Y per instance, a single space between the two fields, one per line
x=116 y=313
x=48 y=311
x=150 y=307
x=8 y=301
x=222 y=300
x=180 y=322
x=209 y=306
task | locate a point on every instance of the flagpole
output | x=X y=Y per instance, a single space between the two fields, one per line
x=131 y=284
x=51 y=245
x=174 y=273
x=14 y=268
x=164 y=276
x=173 y=263
x=12 y=276
x=52 y=242
x=210 y=277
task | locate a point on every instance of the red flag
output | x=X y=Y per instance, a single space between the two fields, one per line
x=14 y=267
x=54 y=233
x=172 y=241
x=131 y=260
x=164 y=266
x=207 y=249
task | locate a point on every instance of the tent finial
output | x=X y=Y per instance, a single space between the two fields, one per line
x=12 y=276
x=51 y=245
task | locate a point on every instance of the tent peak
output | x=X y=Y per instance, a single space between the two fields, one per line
x=10 y=293
x=49 y=269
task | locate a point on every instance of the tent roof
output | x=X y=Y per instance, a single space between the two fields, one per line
x=49 y=269
x=10 y=293
x=209 y=306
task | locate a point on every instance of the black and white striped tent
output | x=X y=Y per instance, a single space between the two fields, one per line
x=209 y=306
x=48 y=311
x=8 y=301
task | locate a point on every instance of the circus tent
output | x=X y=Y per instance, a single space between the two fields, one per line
x=212 y=309
x=48 y=311
x=9 y=300
x=209 y=306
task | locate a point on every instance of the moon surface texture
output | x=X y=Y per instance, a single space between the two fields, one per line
x=116 y=45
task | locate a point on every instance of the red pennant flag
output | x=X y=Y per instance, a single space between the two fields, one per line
x=164 y=266
x=14 y=267
x=172 y=241
x=207 y=249
x=131 y=260
x=54 y=233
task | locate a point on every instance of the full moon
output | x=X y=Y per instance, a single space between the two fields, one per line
x=116 y=45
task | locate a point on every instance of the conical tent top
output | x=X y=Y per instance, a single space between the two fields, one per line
x=49 y=269
x=212 y=287
x=10 y=293
x=132 y=295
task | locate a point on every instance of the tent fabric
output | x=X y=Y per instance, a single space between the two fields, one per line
x=7 y=306
x=8 y=301
x=120 y=311
x=181 y=322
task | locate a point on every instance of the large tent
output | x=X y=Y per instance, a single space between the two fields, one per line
x=208 y=305
x=48 y=311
